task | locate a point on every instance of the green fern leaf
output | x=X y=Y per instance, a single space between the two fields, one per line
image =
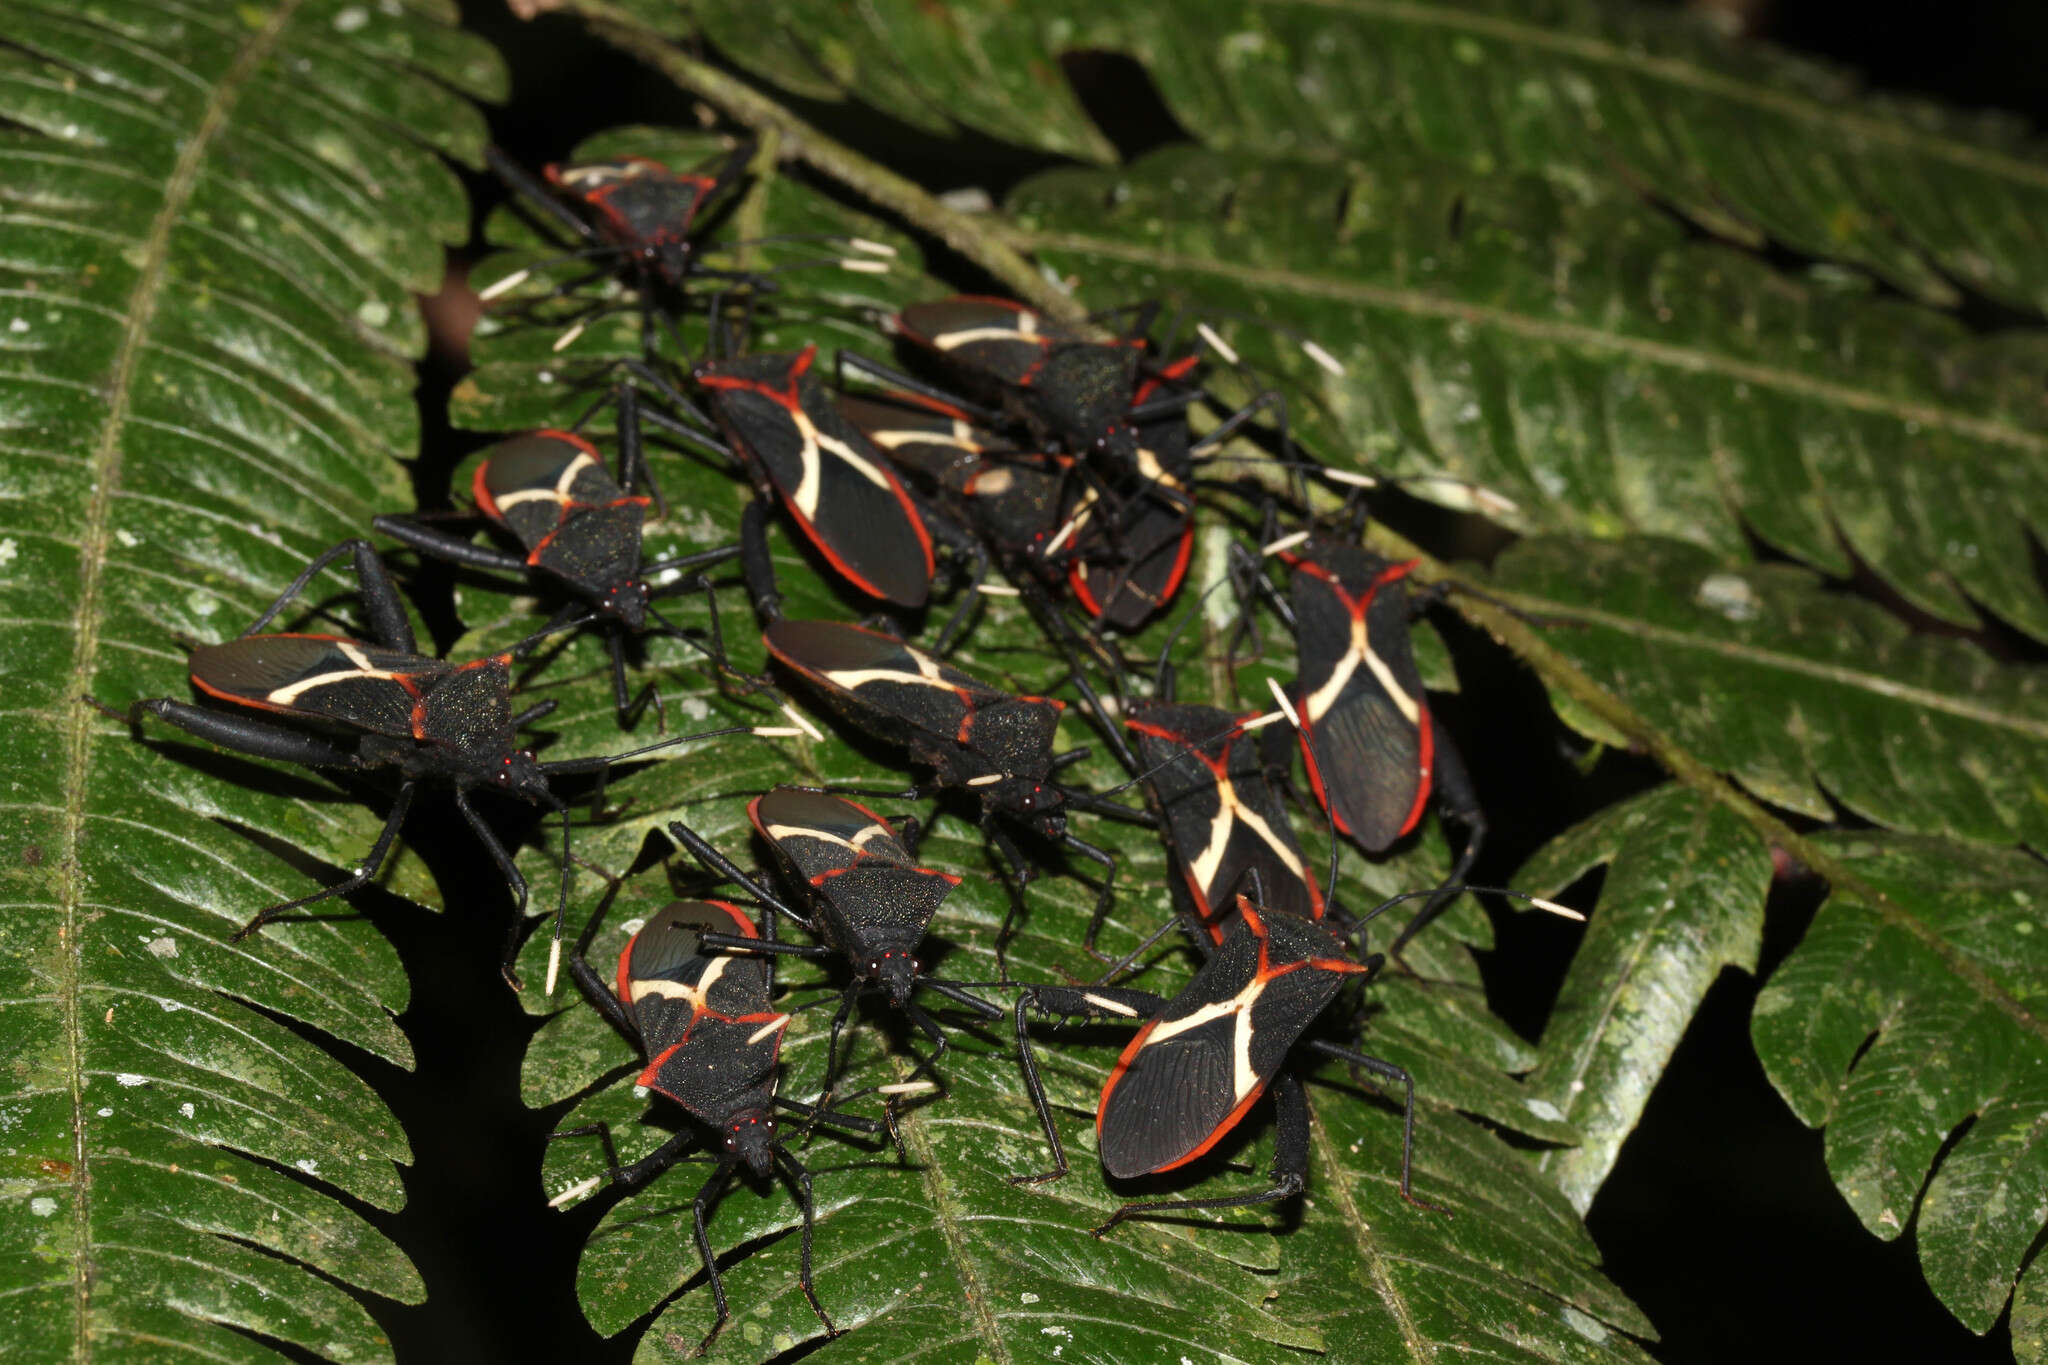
x=1598 y=96
x=1909 y=1022
x=216 y=219
x=1683 y=898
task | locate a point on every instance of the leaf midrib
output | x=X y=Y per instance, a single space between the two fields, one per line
x=1426 y=304
x=1369 y=1257
x=105 y=463
x=1877 y=685
x=1683 y=73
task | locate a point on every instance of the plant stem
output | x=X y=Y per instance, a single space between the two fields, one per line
x=878 y=184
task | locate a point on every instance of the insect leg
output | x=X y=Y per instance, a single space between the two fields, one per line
x=513 y=879
x=385 y=610
x=537 y=194
x=700 y=848
x=1093 y=1004
x=1380 y=1067
x=755 y=563
x=243 y=734
x=1105 y=893
x=843 y=361
x=700 y=1207
x=1452 y=788
x=800 y=1179
x=365 y=870
x=630 y=705
x=448 y=546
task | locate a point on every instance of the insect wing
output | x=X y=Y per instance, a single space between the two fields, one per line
x=1223 y=818
x=823 y=835
x=997 y=338
x=909 y=689
x=321 y=677
x=553 y=493
x=1195 y=1070
x=1368 y=734
x=1126 y=578
x=835 y=483
x=880 y=900
x=711 y=1038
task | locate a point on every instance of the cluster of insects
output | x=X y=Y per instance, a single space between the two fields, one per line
x=1012 y=455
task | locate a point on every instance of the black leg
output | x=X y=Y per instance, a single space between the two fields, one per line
x=535 y=712
x=1104 y=894
x=244 y=734
x=755 y=562
x=513 y=879
x=600 y=995
x=1092 y=1004
x=843 y=361
x=831 y=1118
x=629 y=705
x=839 y=1018
x=365 y=870
x=1290 y=1162
x=700 y=848
x=1452 y=789
x=382 y=606
x=700 y=1208
x=800 y=1184
x=449 y=547
x=537 y=195
x=1380 y=1067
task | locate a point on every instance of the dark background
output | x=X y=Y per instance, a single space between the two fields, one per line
x=1719 y=1220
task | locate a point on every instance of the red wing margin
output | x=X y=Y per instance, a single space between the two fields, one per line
x=997 y=337
x=1196 y=1069
x=324 y=677
x=534 y=485
x=1223 y=817
x=910 y=688
x=824 y=835
x=835 y=483
x=1360 y=695
x=704 y=1017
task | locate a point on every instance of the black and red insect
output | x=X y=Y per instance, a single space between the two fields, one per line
x=873 y=904
x=995 y=746
x=1063 y=386
x=1222 y=818
x=579 y=532
x=837 y=487
x=1010 y=499
x=1201 y=1060
x=1376 y=757
x=632 y=211
x=355 y=705
x=706 y=1026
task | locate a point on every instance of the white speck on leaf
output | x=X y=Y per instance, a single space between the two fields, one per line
x=129 y=1078
x=351 y=19
x=1027 y=1298
x=201 y=602
x=104 y=1113
x=8 y=550
x=162 y=946
x=186 y=1109
x=1544 y=1109
x=308 y=1165
x=1586 y=1327
x=129 y=540
x=42 y=1206
x=1730 y=595
x=18 y=325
